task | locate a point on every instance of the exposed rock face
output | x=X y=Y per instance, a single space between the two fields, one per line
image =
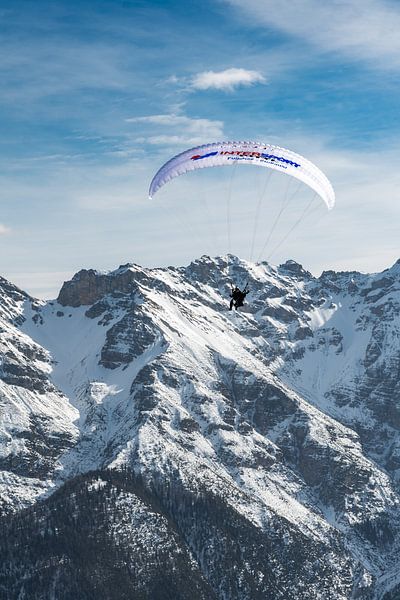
x=129 y=338
x=267 y=440
x=88 y=286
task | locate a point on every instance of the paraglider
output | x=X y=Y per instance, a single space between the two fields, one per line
x=247 y=153
x=238 y=296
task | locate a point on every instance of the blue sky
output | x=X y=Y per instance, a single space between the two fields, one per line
x=97 y=95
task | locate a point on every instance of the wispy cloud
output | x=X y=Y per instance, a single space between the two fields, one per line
x=173 y=129
x=227 y=80
x=367 y=30
x=4 y=230
x=43 y=72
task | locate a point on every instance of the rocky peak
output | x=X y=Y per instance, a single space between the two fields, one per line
x=294 y=268
x=206 y=268
x=89 y=286
x=11 y=300
x=348 y=282
x=8 y=289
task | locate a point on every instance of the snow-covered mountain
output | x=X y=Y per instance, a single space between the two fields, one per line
x=255 y=454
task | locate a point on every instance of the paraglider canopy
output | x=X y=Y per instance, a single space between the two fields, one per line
x=246 y=153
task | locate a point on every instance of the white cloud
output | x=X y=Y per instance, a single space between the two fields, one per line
x=367 y=30
x=172 y=129
x=4 y=230
x=226 y=80
x=172 y=79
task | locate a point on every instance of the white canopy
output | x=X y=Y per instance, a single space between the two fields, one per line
x=246 y=153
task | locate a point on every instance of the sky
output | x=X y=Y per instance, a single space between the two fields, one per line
x=97 y=95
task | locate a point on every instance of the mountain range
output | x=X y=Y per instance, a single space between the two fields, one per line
x=155 y=445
